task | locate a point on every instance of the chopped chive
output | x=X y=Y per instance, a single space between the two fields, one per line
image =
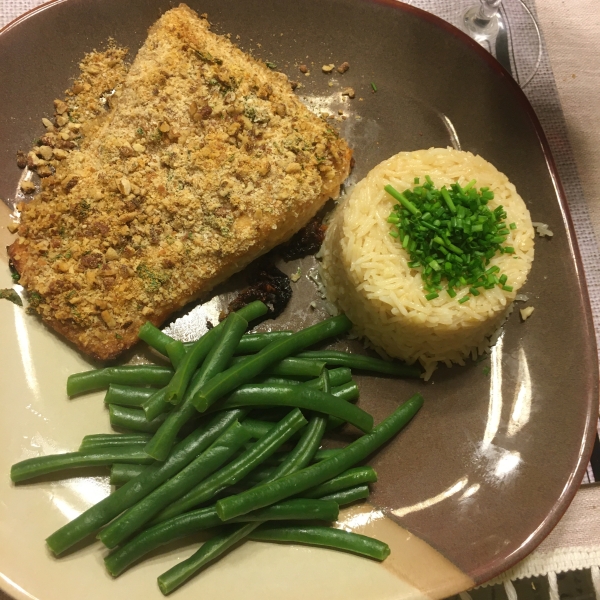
x=400 y=197
x=469 y=185
x=513 y=225
x=463 y=299
x=432 y=296
x=503 y=279
x=374 y=87
x=507 y=288
x=446 y=197
x=450 y=234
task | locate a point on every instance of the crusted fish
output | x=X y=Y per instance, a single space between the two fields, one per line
x=205 y=161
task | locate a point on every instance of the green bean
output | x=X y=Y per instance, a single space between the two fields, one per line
x=257 y=476
x=238 y=468
x=133 y=419
x=158 y=340
x=214 y=457
x=337 y=377
x=365 y=363
x=297 y=396
x=120 y=474
x=254 y=365
x=258 y=428
x=348 y=392
x=350 y=478
x=136 y=489
x=234 y=326
x=127 y=395
x=220 y=354
x=42 y=465
x=156 y=405
x=343 y=497
x=326 y=453
x=176 y=352
x=154 y=337
x=289 y=367
x=255 y=342
x=209 y=551
x=315 y=535
x=112 y=440
x=309 y=442
x=206 y=518
x=99 y=379
x=295 y=460
x=305 y=449
x=296 y=483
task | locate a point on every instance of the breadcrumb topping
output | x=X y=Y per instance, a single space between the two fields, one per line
x=161 y=181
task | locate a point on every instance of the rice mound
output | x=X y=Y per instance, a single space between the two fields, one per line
x=366 y=272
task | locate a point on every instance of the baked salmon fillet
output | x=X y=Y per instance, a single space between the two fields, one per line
x=206 y=161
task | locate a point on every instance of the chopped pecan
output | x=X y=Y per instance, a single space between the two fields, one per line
x=21 y=159
x=90 y=261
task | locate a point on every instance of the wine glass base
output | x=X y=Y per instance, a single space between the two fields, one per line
x=513 y=37
x=479 y=29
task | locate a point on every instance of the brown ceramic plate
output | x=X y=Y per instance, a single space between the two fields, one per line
x=497 y=453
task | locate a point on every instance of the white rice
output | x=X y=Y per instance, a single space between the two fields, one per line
x=366 y=274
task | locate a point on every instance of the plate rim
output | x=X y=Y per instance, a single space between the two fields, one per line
x=491 y=570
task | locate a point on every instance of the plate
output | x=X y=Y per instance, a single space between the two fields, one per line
x=500 y=448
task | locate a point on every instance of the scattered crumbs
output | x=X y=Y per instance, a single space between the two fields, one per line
x=10 y=294
x=533 y=586
x=313 y=305
x=295 y=276
x=303 y=69
x=542 y=229
x=526 y=312
x=328 y=68
x=340 y=112
x=237 y=37
x=486 y=370
x=343 y=67
x=349 y=92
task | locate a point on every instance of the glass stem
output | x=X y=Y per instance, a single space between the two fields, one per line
x=489 y=9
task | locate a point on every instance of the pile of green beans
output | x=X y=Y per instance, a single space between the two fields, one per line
x=228 y=438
